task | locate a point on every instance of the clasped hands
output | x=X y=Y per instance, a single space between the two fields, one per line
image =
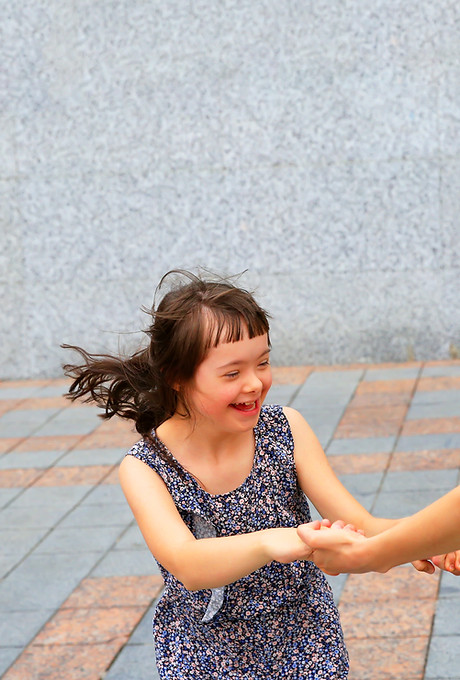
x=341 y=548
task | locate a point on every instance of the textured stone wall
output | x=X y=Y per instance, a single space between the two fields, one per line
x=314 y=143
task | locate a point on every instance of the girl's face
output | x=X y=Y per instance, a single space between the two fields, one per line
x=230 y=384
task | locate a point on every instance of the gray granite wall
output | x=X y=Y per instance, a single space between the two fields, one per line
x=314 y=143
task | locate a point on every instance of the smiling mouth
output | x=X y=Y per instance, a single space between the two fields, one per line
x=246 y=406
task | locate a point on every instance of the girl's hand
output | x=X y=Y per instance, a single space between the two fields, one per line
x=424 y=565
x=336 y=549
x=285 y=545
x=449 y=562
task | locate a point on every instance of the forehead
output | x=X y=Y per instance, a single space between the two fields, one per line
x=237 y=351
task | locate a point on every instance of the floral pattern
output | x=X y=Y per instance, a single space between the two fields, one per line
x=278 y=622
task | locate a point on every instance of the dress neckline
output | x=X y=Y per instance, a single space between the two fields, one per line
x=195 y=481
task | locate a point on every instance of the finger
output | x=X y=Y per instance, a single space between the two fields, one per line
x=326 y=522
x=424 y=565
x=338 y=524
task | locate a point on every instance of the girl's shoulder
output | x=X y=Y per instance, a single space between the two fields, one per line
x=148 y=452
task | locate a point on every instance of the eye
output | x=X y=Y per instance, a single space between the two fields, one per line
x=232 y=374
x=265 y=363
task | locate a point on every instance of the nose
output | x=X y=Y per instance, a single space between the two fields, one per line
x=253 y=383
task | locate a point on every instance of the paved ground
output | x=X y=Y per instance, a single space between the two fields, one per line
x=78 y=586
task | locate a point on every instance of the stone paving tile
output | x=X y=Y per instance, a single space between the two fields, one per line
x=21 y=477
x=371 y=421
x=116 y=591
x=91 y=457
x=71 y=476
x=361 y=445
x=290 y=375
x=359 y=463
x=394 y=618
x=405 y=372
x=76 y=539
x=401 y=583
x=425 y=460
x=72 y=662
x=29 y=459
x=420 y=480
x=431 y=426
x=447 y=619
x=398 y=504
x=389 y=658
x=441 y=369
x=404 y=387
x=441 y=383
x=443 y=658
x=134 y=661
x=58 y=443
x=418 y=442
x=378 y=399
x=98 y=514
x=120 y=562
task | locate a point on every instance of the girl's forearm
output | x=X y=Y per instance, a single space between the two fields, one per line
x=214 y=562
x=432 y=531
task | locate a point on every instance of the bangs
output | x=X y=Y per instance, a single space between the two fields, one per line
x=231 y=326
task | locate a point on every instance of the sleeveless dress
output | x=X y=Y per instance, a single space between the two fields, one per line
x=278 y=622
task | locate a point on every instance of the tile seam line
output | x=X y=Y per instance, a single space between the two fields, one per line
x=398 y=434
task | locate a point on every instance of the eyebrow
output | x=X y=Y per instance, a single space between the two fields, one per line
x=235 y=362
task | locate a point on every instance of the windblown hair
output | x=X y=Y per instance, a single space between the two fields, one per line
x=148 y=386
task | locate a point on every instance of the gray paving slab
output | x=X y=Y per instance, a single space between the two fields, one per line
x=64 y=497
x=8 y=563
x=24 y=392
x=401 y=503
x=70 y=422
x=361 y=445
x=338 y=385
x=29 y=516
x=281 y=394
x=397 y=373
x=447 y=618
x=122 y=562
x=105 y=493
x=98 y=514
x=18 y=628
x=7 y=495
x=441 y=371
x=134 y=661
x=436 y=397
x=51 y=391
x=131 y=539
x=143 y=634
x=419 y=480
x=450 y=587
x=362 y=483
x=79 y=540
x=443 y=658
x=78 y=457
x=7 y=656
x=439 y=410
x=29 y=459
x=23 y=423
x=21 y=540
x=44 y=581
x=431 y=442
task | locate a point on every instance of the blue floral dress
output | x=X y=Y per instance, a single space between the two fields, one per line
x=278 y=622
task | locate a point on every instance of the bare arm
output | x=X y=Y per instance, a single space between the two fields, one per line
x=206 y=562
x=320 y=484
x=435 y=529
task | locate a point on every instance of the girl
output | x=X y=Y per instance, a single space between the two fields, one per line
x=434 y=529
x=217 y=487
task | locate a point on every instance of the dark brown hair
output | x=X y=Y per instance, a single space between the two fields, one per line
x=194 y=315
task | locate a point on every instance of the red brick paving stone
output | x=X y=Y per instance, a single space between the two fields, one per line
x=56 y=443
x=391 y=618
x=9 y=404
x=290 y=375
x=115 y=591
x=441 y=459
x=387 y=658
x=90 y=626
x=9 y=443
x=370 y=422
x=397 y=386
x=431 y=426
x=356 y=463
x=44 y=402
x=63 y=662
x=370 y=399
x=5 y=384
x=434 y=384
x=400 y=583
x=112 y=478
x=18 y=478
x=74 y=476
